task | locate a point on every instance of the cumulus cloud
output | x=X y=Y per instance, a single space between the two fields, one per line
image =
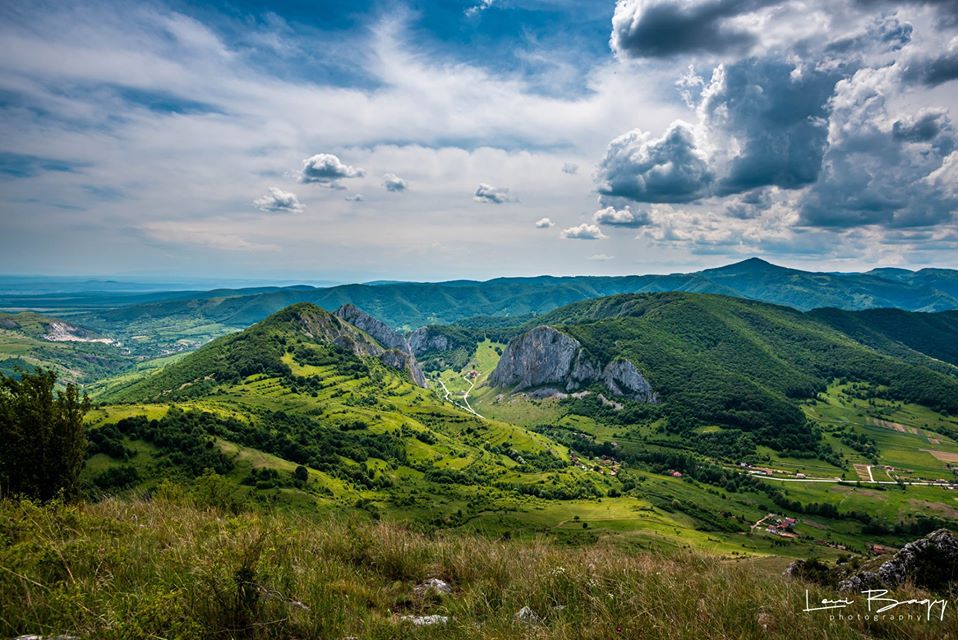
x=665 y=28
x=570 y=168
x=355 y=197
x=668 y=169
x=392 y=182
x=544 y=223
x=490 y=194
x=933 y=70
x=584 y=231
x=767 y=120
x=880 y=169
x=327 y=170
x=749 y=205
x=621 y=217
x=277 y=200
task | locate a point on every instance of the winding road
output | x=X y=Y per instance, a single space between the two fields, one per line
x=465 y=406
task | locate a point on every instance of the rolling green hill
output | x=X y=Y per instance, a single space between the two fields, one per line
x=31 y=340
x=737 y=381
x=741 y=364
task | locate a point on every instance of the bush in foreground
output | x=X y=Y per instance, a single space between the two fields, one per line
x=168 y=569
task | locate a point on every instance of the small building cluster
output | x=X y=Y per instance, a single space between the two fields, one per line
x=777 y=525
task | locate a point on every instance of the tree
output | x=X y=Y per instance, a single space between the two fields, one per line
x=42 y=438
x=301 y=475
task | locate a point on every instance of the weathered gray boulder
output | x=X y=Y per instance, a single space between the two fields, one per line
x=545 y=356
x=425 y=621
x=860 y=582
x=379 y=331
x=929 y=563
x=433 y=585
x=526 y=615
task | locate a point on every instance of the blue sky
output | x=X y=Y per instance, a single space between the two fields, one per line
x=435 y=140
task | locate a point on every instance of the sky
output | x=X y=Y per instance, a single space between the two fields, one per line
x=432 y=140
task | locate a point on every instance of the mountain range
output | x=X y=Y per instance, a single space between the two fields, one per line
x=411 y=304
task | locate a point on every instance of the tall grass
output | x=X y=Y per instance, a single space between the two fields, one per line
x=167 y=569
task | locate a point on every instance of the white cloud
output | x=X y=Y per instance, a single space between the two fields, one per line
x=278 y=200
x=570 y=168
x=621 y=217
x=476 y=9
x=392 y=182
x=601 y=257
x=584 y=231
x=327 y=170
x=544 y=223
x=672 y=168
x=490 y=194
x=354 y=197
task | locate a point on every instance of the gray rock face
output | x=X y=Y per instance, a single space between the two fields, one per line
x=425 y=340
x=546 y=356
x=375 y=328
x=538 y=357
x=323 y=326
x=623 y=379
x=404 y=362
x=930 y=563
x=397 y=353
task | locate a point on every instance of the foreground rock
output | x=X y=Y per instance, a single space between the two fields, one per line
x=433 y=585
x=526 y=615
x=929 y=563
x=425 y=621
x=546 y=356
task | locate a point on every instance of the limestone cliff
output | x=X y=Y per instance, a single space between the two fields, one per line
x=547 y=356
x=397 y=352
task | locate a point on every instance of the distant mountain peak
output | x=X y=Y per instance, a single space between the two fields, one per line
x=754 y=264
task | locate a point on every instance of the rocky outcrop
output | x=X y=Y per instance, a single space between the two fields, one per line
x=623 y=379
x=427 y=340
x=546 y=356
x=404 y=362
x=397 y=353
x=929 y=563
x=542 y=356
x=319 y=325
x=378 y=329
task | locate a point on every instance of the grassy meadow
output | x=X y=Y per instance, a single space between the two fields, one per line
x=173 y=568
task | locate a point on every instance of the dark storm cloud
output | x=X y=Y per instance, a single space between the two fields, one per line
x=925 y=126
x=669 y=169
x=898 y=174
x=932 y=71
x=749 y=205
x=777 y=116
x=649 y=29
